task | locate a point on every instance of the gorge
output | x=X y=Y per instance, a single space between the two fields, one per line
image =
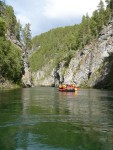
x=90 y=67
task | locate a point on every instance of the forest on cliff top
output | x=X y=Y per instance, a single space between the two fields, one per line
x=60 y=44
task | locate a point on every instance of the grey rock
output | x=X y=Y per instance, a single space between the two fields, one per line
x=84 y=68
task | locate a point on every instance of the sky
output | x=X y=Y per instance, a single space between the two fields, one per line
x=44 y=15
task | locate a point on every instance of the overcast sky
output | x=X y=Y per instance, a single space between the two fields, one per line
x=44 y=15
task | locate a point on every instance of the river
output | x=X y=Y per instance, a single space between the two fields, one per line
x=43 y=118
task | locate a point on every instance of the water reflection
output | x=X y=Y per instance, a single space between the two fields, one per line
x=43 y=118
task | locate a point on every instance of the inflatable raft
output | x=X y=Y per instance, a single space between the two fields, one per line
x=68 y=88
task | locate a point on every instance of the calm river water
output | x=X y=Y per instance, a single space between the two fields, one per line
x=43 y=118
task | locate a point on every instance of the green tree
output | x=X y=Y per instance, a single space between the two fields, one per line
x=27 y=37
x=93 y=28
x=101 y=6
x=109 y=9
x=101 y=13
x=86 y=29
x=10 y=19
x=18 y=30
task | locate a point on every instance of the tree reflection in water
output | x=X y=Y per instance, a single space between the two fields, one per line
x=43 y=118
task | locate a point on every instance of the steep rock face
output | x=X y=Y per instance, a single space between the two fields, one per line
x=26 y=74
x=43 y=77
x=89 y=67
x=26 y=78
x=84 y=68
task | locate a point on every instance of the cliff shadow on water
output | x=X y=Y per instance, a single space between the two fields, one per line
x=106 y=79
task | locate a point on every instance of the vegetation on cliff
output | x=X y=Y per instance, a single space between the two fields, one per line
x=10 y=54
x=55 y=46
x=10 y=58
x=61 y=43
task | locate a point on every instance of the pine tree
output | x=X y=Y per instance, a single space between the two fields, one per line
x=10 y=19
x=18 y=30
x=101 y=6
x=93 y=28
x=101 y=13
x=85 y=27
x=27 y=37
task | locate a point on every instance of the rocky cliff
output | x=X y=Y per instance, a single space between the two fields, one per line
x=26 y=74
x=90 y=67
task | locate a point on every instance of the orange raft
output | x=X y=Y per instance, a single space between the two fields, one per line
x=68 y=88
